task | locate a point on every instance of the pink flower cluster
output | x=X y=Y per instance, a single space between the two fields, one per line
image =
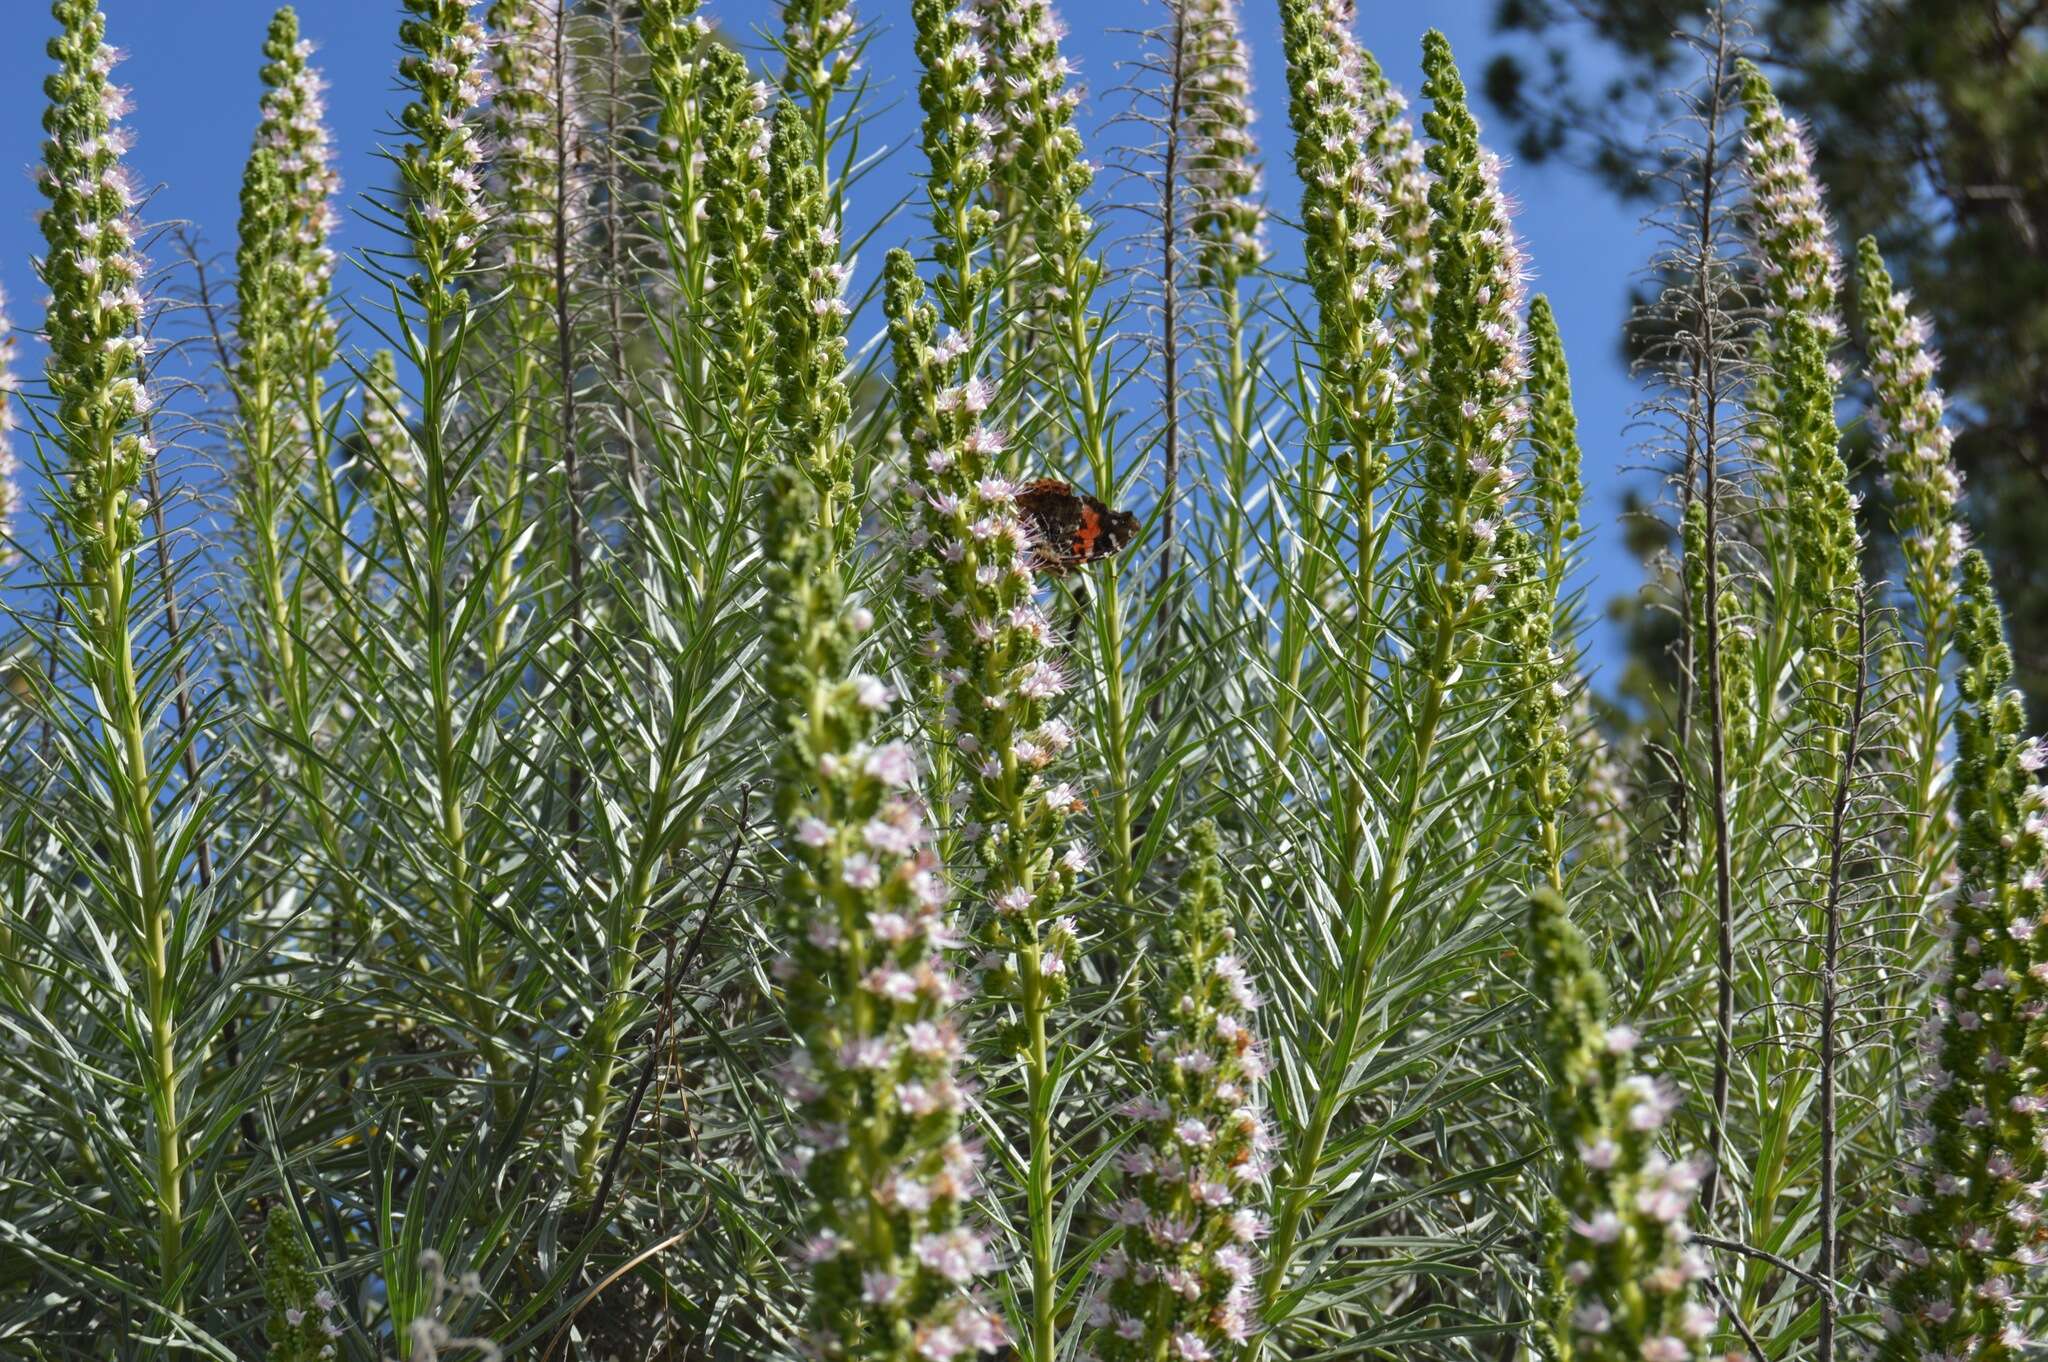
x=817 y=39
x=870 y=993
x=442 y=165
x=1799 y=260
x=95 y=277
x=973 y=572
x=1180 y=1279
x=1407 y=224
x=1914 y=442
x=525 y=132
x=1975 y=1223
x=293 y=130
x=1223 y=166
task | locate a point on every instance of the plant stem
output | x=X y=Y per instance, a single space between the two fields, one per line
x=1829 y=1000
x=1365 y=938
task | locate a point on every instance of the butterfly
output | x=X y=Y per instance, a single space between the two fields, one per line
x=1071 y=529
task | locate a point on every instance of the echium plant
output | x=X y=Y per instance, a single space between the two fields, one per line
x=1042 y=171
x=536 y=209
x=523 y=120
x=285 y=267
x=1179 y=1281
x=1802 y=455
x=1406 y=226
x=1067 y=354
x=95 y=380
x=821 y=52
x=955 y=89
x=1223 y=170
x=1620 y=1275
x=444 y=215
x=1344 y=207
x=1474 y=412
x=810 y=327
x=1974 y=1228
x=1924 y=486
x=867 y=985
x=736 y=140
x=1914 y=443
x=285 y=339
x=445 y=68
x=95 y=306
x=673 y=35
x=989 y=644
x=1595 y=784
x=1545 y=681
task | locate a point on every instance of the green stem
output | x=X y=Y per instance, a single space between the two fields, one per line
x=1364 y=940
x=132 y=793
x=1038 y=1194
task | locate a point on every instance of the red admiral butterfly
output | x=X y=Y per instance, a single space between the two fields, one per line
x=1071 y=529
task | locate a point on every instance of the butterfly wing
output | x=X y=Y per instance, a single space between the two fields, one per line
x=1070 y=528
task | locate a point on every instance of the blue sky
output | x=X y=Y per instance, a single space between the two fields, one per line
x=192 y=70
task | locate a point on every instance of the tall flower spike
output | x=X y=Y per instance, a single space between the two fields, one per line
x=1345 y=208
x=524 y=142
x=1600 y=776
x=440 y=166
x=1406 y=229
x=285 y=267
x=995 y=681
x=989 y=646
x=1620 y=1275
x=1803 y=455
x=1223 y=165
x=736 y=139
x=867 y=986
x=674 y=35
x=1474 y=414
x=810 y=321
x=95 y=380
x=1545 y=681
x=1914 y=443
x=1179 y=1281
x=1973 y=1230
x=954 y=89
x=1042 y=170
x=94 y=276
x=819 y=49
x=1554 y=483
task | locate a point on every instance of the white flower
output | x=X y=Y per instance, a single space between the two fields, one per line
x=861 y=872
x=958 y=1255
x=1604 y=1228
x=892 y=764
